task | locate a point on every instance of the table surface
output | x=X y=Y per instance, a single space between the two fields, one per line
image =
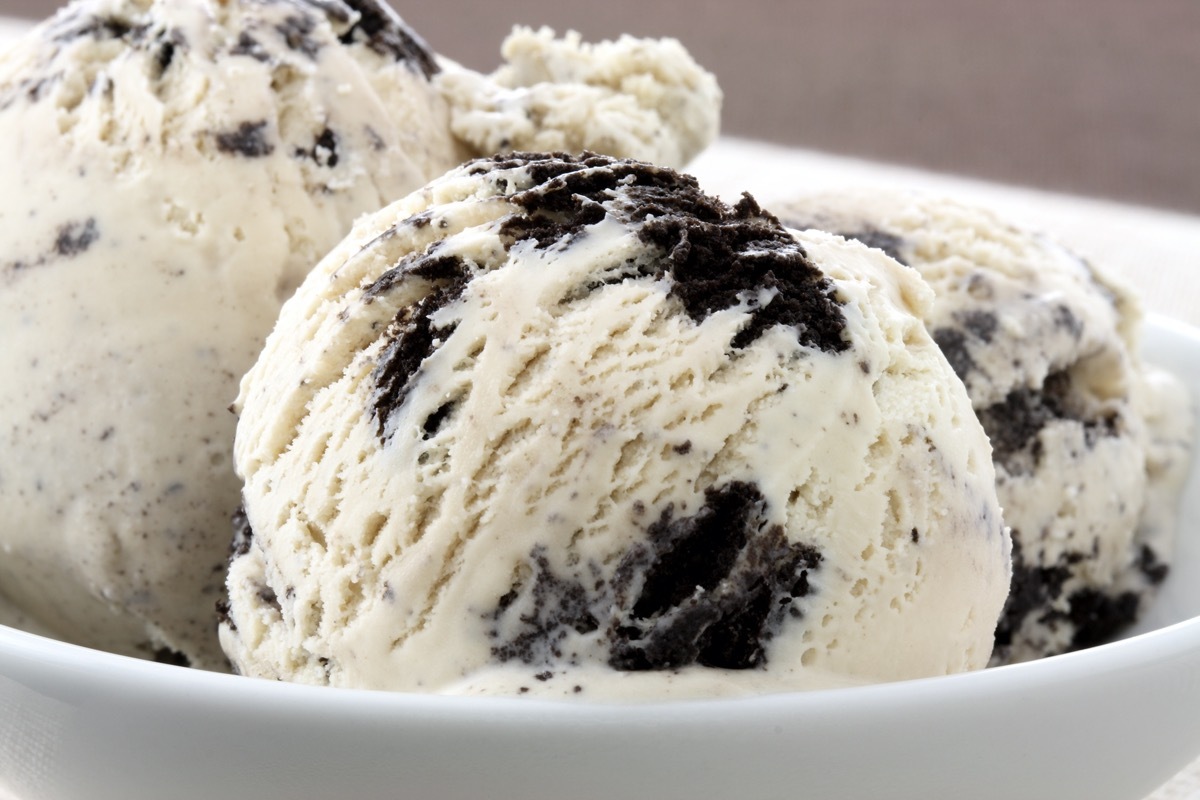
x=1155 y=251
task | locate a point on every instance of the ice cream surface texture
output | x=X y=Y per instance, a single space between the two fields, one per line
x=1090 y=445
x=569 y=426
x=175 y=168
x=633 y=98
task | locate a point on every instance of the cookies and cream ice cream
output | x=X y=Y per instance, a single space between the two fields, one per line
x=1090 y=444
x=173 y=170
x=633 y=98
x=566 y=425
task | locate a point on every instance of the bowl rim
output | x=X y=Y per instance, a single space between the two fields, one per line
x=109 y=671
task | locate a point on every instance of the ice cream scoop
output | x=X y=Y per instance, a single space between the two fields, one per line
x=567 y=425
x=1090 y=444
x=633 y=98
x=175 y=168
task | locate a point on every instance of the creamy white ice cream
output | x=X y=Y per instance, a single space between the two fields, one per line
x=1091 y=445
x=174 y=169
x=633 y=98
x=569 y=426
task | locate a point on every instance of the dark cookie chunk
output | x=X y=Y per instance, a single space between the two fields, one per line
x=953 y=344
x=165 y=655
x=428 y=265
x=324 y=151
x=718 y=256
x=1013 y=424
x=72 y=25
x=559 y=606
x=433 y=423
x=168 y=44
x=247 y=45
x=249 y=140
x=568 y=193
x=955 y=341
x=76 y=237
x=412 y=336
x=709 y=589
x=225 y=614
x=1065 y=319
x=1098 y=617
x=1093 y=616
x=1034 y=587
x=296 y=31
x=164 y=57
x=384 y=32
x=239 y=544
x=1151 y=567
x=980 y=324
x=268 y=596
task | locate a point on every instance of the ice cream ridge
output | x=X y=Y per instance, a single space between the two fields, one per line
x=1090 y=444
x=565 y=425
x=174 y=168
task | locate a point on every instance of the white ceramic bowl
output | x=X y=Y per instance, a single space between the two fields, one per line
x=1112 y=722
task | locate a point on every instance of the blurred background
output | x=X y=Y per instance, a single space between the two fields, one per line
x=1095 y=97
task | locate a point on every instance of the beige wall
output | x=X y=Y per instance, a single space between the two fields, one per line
x=1098 y=97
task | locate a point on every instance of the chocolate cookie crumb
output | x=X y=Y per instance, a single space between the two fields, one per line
x=247 y=45
x=553 y=606
x=324 y=150
x=239 y=545
x=1098 y=617
x=224 y=616
x=709 y=589
x=1013 y=424
x=953 y=344
x=383 y=31
x=1033 y=588
x=718 y=256
x=249 y=140
x=296 y=32
x=76 y=237
x=1149 y=565
x=412 y=336
x=165 y=655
